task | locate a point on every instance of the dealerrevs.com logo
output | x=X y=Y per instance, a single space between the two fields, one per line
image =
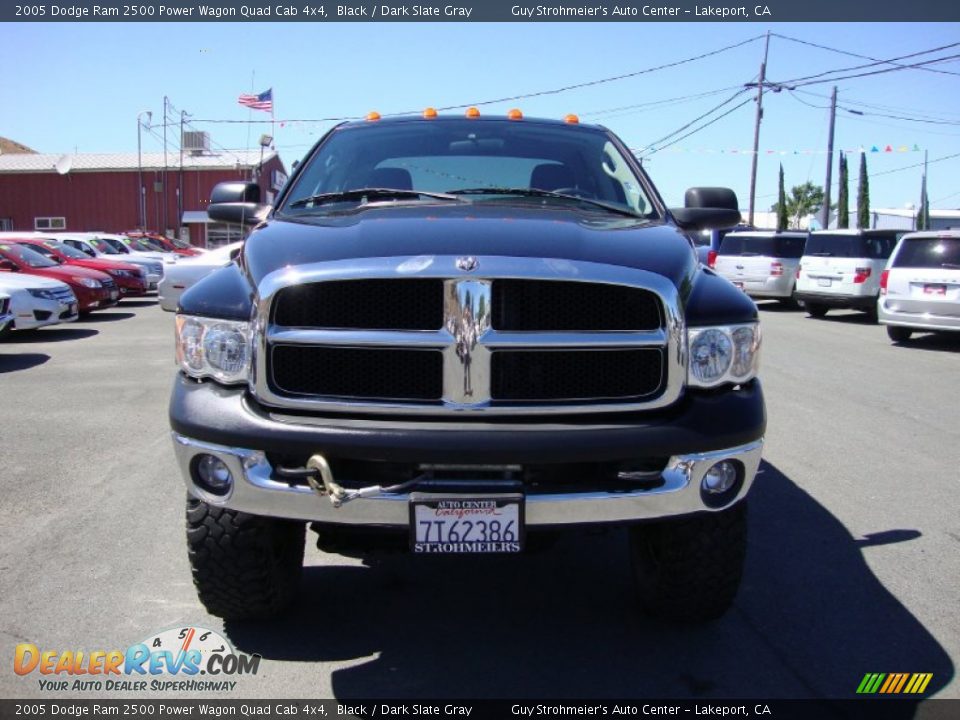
x=181 y=659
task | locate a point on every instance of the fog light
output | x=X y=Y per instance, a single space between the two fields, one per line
x=721 y=483
x=213 y=475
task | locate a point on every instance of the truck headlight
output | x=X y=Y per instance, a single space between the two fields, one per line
x=723 y=354
x=218 y=349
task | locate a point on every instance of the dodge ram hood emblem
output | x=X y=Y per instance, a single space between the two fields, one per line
x=468 y=264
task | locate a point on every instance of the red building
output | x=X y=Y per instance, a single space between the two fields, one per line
x=85 y=192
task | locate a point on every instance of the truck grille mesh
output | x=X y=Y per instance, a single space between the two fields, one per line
x=377 y=373
x=414 y=304
x=550 y=305
x=532 y=375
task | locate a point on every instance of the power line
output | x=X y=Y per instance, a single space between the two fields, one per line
x=697 y=119
x=910 y=167
x=524 y=96
x=702 y=127
x=655 y=103
x=853 y=54
x=873 y=72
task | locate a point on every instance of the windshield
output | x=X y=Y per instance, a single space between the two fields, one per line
x=877 y=247
x=66 y=250
x=486 y=158
x=140 y=245
x=25 y=256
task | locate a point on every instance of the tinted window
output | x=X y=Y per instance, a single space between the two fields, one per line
x=67 y=250
x=929 y=253
x=767 y=245
x=875 y=247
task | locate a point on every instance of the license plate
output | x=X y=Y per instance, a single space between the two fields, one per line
x=453 y=524
x=738 y=285
x=152 y=286
x=114 y=294
x=935 y=289
x=824 y=282
x=74 y=308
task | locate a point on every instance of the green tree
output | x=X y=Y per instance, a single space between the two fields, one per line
x=781 y=205
x=863 y=195
x=806 y=199
x=843 y=202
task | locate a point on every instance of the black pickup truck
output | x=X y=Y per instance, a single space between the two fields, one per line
x=470 y=331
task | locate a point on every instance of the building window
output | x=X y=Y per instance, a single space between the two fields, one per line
x=50 y=223
x=6 y=223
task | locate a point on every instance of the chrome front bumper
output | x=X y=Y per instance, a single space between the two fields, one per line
x=257 y=490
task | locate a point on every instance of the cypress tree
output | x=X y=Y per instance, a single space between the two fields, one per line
x=863 y=195
x=843 y=202
x=781 y=204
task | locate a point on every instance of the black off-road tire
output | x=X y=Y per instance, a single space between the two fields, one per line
x=816 y=310
x=244 y=566
x=899 y=334
x=689 y=569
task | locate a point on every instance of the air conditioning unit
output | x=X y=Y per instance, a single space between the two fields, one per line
x=196 y=143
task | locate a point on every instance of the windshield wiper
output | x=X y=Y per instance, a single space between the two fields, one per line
x=534 y=192
x=369 y=194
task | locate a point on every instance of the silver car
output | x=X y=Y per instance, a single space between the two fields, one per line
x=762 y=263
x=920 y=289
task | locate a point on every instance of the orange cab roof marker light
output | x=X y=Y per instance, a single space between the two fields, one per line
x=472 y=112
x=373 y=115
x=515 y=114
x=430 y=113
x=572 y=119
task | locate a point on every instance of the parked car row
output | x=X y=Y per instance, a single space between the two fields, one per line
x=907 y=281
x=51 y=278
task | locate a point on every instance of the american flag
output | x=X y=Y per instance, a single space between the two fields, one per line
x=263 y=101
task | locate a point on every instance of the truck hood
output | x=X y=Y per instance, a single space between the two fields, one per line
x=491 y=229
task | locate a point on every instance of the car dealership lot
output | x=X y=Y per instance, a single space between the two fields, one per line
x=851 y=569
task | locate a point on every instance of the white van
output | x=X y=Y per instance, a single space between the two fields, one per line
x=841 y=269
x=762 y=263
x=920 y=288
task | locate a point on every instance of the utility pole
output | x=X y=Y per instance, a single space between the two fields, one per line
x=166 y=205
x=141 y=191
x=756 y=128
x=825 y=211
x=183 y=116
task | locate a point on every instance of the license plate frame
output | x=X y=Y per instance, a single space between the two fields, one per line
x=472 y=524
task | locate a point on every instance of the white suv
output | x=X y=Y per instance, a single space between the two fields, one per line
x=762 y=263
x=920 y=288
x=841 y=269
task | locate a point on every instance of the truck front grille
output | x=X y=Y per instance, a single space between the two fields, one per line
x=526 y=337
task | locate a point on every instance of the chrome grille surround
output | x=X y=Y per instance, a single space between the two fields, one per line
x=467 y=384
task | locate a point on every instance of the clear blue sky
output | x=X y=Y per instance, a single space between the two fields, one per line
x=80 y=86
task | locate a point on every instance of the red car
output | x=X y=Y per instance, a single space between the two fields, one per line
x=130 y=279
x=165 y=244
x=93 y=289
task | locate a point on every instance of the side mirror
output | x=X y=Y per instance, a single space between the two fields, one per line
x=238 y=203
x=707 y=208
x=9 y=265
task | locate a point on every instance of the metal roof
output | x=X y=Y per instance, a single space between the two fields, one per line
x=118 y=162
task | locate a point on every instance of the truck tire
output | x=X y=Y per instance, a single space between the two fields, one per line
x=689 y=569
x=816 y=310
x=244 y=566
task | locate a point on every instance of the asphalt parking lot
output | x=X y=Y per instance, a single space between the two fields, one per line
x=854 y=550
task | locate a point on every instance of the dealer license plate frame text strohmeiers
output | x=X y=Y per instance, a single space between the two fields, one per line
x=451 y=524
